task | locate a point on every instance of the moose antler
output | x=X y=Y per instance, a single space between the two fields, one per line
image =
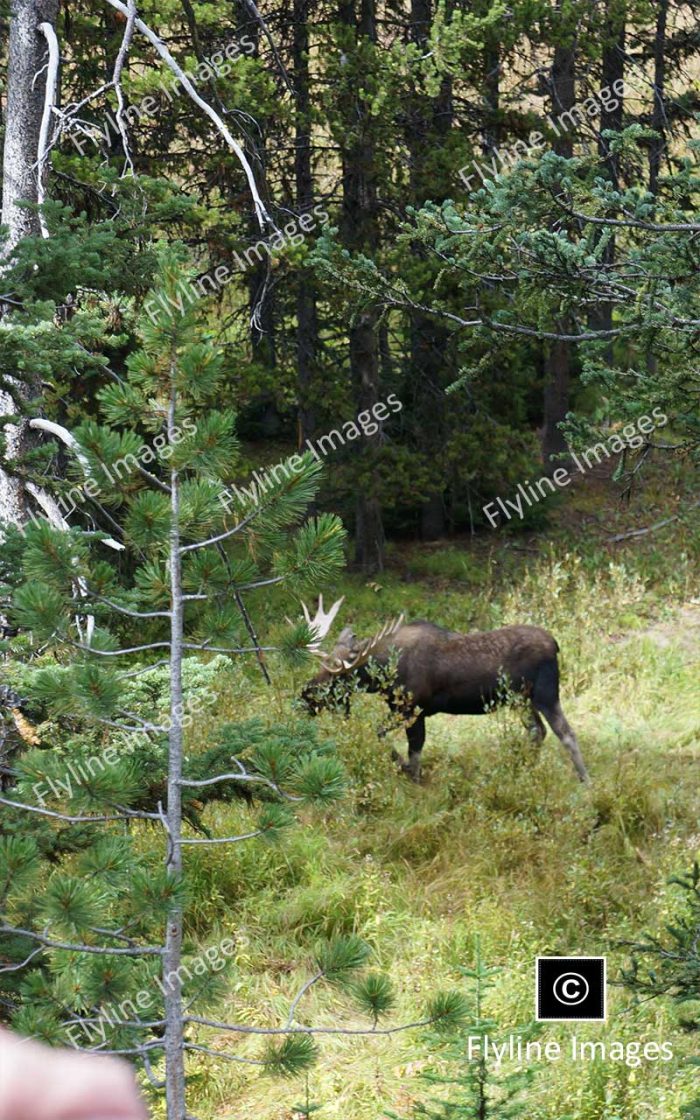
x=322 y=621
x=365 y=649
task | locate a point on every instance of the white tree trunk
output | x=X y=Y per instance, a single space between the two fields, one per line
x=172 y=959
x=20 y=182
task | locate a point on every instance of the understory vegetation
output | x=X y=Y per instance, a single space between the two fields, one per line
x=500 y=848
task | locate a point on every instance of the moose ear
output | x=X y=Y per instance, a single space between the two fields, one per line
x=347 y=642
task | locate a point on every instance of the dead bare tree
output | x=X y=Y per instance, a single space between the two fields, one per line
x=32 y=67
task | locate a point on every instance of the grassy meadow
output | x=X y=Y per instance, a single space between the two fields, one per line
x=499 y=845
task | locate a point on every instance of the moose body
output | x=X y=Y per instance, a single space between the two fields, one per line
x=438 y=670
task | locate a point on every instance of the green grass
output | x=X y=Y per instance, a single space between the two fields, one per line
x=500 y=842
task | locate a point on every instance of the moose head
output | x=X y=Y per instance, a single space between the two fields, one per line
x=330 y=685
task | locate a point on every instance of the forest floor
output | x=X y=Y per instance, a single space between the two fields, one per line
x=499 y=846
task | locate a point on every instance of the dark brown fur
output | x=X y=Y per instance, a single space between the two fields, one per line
x=463 y=674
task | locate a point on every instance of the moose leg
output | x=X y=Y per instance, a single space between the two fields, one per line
x=561 y=728
x=536 y=727
x=416 y=737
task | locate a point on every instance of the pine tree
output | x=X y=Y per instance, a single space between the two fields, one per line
x=668 y=964
x=475 y=1090
x=94 y=918
x=537 y=233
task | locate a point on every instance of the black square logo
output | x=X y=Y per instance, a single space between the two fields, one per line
x=570 y=988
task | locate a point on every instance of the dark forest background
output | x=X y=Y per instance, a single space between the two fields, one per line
x=564 y=284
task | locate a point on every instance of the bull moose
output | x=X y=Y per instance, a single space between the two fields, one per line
x=435 y=670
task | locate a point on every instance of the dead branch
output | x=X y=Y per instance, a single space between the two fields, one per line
x=49 y=102
x=116 y=82
x=260 y=209
x=650 y=528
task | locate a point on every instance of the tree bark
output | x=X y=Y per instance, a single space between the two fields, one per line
x=364 y=367
x=428 y=122
x=612 y=71
x=492 y=94
x=658 y=122
x=558 y=356
x=658 y=112
x=359 y=226
x=259 y=276
x=172 y=959
x=306 y=305
x=24 y=108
